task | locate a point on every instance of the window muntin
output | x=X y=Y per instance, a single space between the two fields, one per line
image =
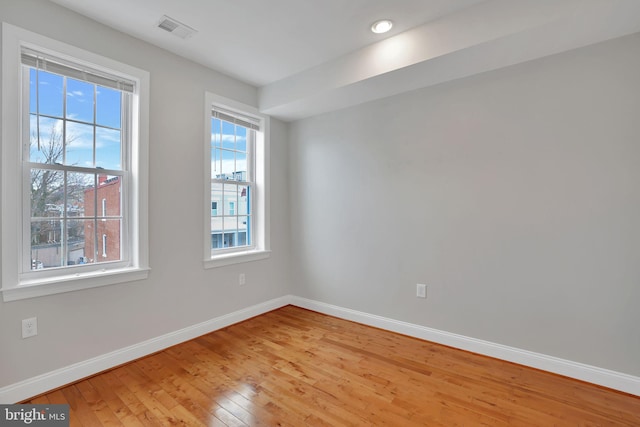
x=77 y=136
x=232 y=145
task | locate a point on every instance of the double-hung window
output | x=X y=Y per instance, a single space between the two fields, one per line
x=76 y=159
x=236 y=147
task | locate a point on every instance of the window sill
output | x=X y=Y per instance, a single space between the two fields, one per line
x=75 y=282
x=236 y=258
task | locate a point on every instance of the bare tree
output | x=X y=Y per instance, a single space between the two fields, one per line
x=47 y=186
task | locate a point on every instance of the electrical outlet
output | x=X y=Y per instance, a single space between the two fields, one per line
x=242 y=280
x=421 y=290
x=30 y=327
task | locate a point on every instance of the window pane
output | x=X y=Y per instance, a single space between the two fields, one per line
x=241 y=166
x=46 y=244
x=216 y=241
x=229 y=240
x=242 y=238
x=108 y=232
x=228 y=135
x=216 y=199
x=216 y=131
x=90 y=241
x=76 y=241
x=230 y=199
x=79 y=194
x=50 y=94
x=109 y=196
x=215 y=163
x=228 y=164
x=47 y=191
x=108 y=146
x=216 y=227
x=79 y=145
x=243 y=230
x=230 y=232
x=50 y=148
x=108 y=107
x=243 y=199
x=80 y=100
x=81 y=242
x=241 y=138
x=33 y=99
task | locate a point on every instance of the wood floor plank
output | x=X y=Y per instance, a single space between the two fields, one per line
x=128 y=398
x=294 y=367
x=40 y=400
x=79 y=408
x=97 y=405
x=114 y=402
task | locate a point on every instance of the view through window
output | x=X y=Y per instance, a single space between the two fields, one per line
x=232 y=180
x=77 y=133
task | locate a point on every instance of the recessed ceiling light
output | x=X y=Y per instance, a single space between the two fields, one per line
x=381 y=26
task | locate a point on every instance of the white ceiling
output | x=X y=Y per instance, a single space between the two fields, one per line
x=260 y=41
x=312 y=56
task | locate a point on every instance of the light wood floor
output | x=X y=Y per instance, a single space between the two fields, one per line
x=295 y=367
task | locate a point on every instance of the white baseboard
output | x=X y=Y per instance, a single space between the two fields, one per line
x=603 y=377
x=60 y=377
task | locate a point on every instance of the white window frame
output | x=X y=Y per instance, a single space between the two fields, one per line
x=259 y=248
x=15 y=283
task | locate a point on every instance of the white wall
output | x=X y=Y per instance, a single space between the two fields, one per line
x=179 y=293
x=513 y=194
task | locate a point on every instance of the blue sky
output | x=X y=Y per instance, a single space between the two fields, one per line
x=228 y=147
x=82 y=127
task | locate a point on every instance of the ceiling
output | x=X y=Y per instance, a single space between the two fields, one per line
x=260 y=41
x=311 y=56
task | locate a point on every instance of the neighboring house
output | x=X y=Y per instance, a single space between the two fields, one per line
x=105 y=241
x=229 y=223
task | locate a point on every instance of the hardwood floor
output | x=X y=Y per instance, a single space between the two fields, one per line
x=295 y=367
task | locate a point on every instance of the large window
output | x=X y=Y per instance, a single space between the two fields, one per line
x=77 y=159
x=77 y=134
x=236 y=149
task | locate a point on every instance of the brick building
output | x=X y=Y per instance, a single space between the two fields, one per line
x=104 y=244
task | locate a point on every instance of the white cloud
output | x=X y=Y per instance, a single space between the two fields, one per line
x=75 y=93
x=228 y=138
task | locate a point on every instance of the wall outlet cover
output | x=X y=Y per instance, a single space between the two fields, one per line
x=421 y=290
x=29 y=327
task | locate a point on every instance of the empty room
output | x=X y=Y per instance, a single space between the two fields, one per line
x=331 y=213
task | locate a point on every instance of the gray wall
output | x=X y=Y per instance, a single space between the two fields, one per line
x=514 y=195
x=179 y=292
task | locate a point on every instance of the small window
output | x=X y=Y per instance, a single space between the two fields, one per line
x=237 y=191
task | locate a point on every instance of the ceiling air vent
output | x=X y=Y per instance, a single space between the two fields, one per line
x=176 y=28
